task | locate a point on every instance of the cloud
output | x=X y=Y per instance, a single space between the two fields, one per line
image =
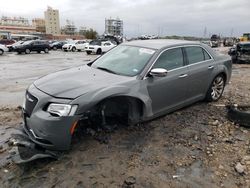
x=165 y=17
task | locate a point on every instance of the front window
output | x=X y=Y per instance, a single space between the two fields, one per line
x=124 y=60
x=170 y=59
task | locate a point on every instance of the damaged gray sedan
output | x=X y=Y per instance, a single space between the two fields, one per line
x=134 y=82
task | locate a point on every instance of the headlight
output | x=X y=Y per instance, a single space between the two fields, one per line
x=62 y=109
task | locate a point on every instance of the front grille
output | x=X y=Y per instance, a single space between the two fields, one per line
x=30 y=103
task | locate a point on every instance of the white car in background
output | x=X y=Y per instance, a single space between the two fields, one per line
x=3 y=49
x=80 y=45
x=74 y=45
x=99 y=47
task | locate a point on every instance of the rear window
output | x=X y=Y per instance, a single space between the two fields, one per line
x=196 y=54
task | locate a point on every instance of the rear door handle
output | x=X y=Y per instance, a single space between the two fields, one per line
x=210 y=67
x=183 y=76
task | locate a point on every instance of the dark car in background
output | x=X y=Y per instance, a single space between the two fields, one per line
x=134 y=82
x=215 y=41
x=33 y=46
x=240 y=53
x=7 y=41
x=57 y=45
x=12 y=47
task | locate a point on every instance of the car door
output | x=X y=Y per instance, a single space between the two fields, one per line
x=106 y=46
x=201 y=66
x=36 y=46
x=168 y=92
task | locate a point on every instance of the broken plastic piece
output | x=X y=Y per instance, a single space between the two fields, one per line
x=25 y=150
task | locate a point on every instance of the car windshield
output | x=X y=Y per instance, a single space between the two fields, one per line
x=17 y=43
x=95 y=42
x=245 y=46
x=72 y=42
x=124 y=60
x=27 y=42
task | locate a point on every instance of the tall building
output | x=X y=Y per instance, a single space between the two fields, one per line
x=39 y=24
x=114 y=27
x=52 y=23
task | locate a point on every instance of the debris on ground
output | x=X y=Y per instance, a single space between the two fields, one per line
x=194 y=147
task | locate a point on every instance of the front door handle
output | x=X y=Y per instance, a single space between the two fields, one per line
x=183 y=76
x=210 y=67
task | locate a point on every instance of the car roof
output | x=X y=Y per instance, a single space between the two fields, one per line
x=159 y=43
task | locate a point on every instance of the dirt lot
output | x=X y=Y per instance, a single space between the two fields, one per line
x=193 y=147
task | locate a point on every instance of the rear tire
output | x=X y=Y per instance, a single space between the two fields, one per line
x=54 y=48
x=1 y=52
x=216 y=88
x=27 y=51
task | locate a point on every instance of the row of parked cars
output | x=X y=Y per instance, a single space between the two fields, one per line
x=95 y=46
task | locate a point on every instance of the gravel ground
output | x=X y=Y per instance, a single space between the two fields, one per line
x=193 y=147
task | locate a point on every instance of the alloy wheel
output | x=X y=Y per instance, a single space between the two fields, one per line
x=217 y=88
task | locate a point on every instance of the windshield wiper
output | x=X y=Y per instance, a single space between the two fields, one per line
x=107 y=70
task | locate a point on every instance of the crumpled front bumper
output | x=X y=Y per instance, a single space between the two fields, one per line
x=50 y=132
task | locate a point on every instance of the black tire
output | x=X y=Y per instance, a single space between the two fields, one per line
x=88 y=52
x=54 y=48
x=19 y=53
x=216 y=88
x=73 y=49
x=1 y=52
x=239 y=115
x=46 y=50
x=27 y=51
x=99 y=51
x=39 y=52
x=79 y=50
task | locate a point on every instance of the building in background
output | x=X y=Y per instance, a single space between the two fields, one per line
x=39 y=24
x=69 y=28
x=114 y=27
x=16 y=25
x=52 y=23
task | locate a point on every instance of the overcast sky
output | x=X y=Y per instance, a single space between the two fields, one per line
x=164 y=17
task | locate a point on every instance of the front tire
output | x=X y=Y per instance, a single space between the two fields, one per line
x=73 y=49
x=216 y=89
x=99 y=51
x=1 y=52
x=27 y=51
x=46 y=50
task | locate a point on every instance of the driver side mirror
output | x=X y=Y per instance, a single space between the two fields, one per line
x=158 y=72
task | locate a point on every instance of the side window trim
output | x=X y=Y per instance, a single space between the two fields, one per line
x=186 y=63
x=151 y=66
x=167 y=50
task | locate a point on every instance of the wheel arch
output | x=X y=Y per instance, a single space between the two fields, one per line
x=135 y=106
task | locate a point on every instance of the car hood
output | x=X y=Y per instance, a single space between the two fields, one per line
x=74 y=82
